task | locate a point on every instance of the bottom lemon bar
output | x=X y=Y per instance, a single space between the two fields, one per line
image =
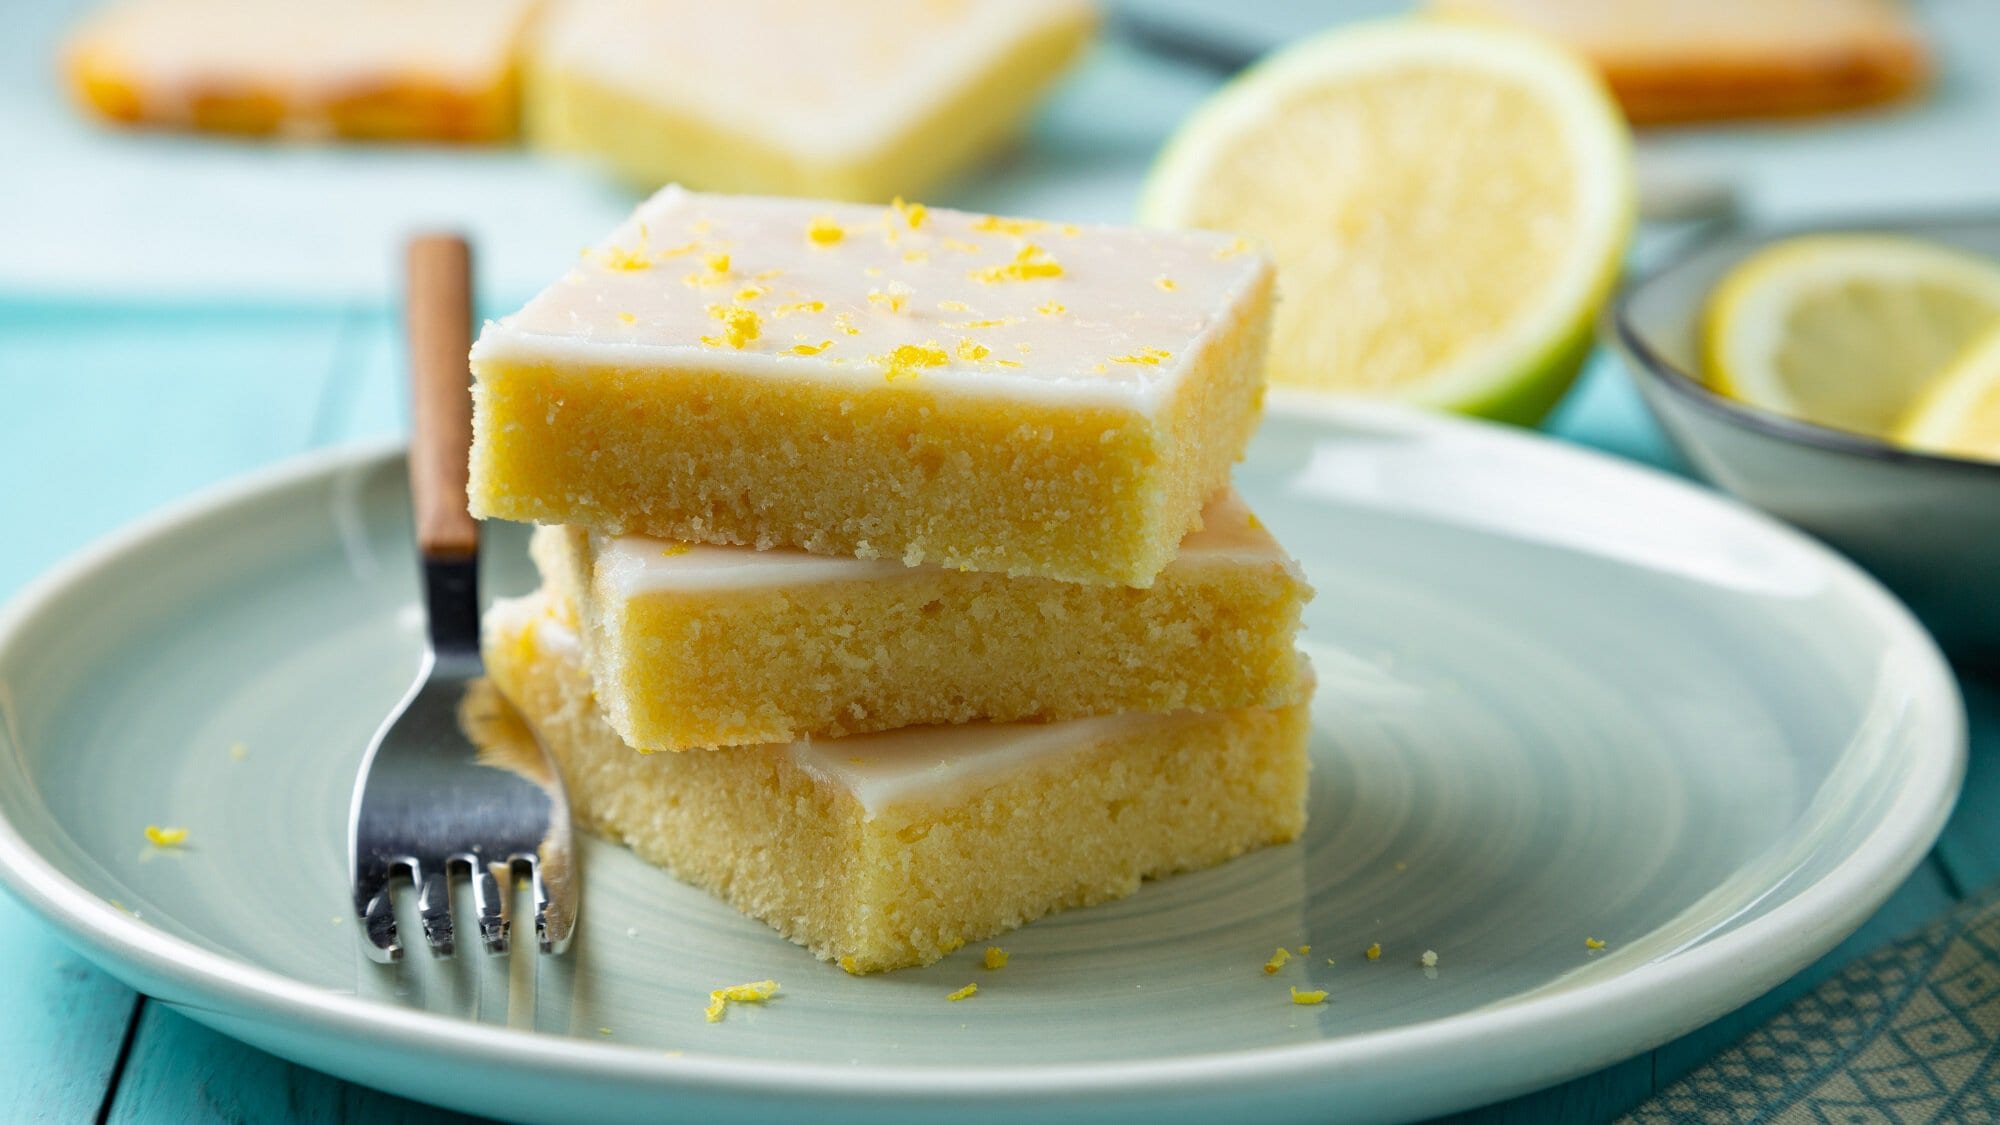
x=891 y=850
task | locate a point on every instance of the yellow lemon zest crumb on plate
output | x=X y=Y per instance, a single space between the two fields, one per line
x=1374 y=952
x=848 y=966
x=755 y=992
x=1592 y=943
x=968 y=991
x=1305 y=950
x=1278 y=960
x=995 y=957
x=166 y=837
x=238 y=751
x=1429 y=959
x=1310 y=996
x=604 y=1031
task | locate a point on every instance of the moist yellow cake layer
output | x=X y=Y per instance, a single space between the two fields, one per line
x=362 y=70
x=847 y=102
x=858 y=851
x=722 y=646
x=872 y=382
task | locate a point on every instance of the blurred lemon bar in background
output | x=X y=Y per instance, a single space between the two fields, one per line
x=1010 y=395
x=889 y=850
x=695 y=646
x=359 y=69
x=794 y=97
x=1692 y=60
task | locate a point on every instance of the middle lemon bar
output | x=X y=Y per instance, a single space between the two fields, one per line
x=695 y=646
x=1007 y=395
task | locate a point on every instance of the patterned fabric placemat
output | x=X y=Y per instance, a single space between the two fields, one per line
x=1910 y=1033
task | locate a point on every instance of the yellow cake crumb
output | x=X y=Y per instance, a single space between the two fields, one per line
x=995 y=958
x=1374 y=952
x=968 y=991
x=824 y=231
x=1278 y=960
x=1592 y=943
x=166 y=837
x=909 y=359
x=1031 y=262
x=972 y=351
x=1304 y=950
x=1429 y=959
x=811 y=349
x=848 y=966
x=756 y=992
x=1310 y=996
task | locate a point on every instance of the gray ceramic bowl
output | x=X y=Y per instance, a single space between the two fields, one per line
x=1928 y=526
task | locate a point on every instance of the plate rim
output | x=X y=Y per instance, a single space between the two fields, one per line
x=1784 y=940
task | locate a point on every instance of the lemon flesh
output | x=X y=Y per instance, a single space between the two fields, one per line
x=1448 y=206
x=1845 y=330
x=1959 y=415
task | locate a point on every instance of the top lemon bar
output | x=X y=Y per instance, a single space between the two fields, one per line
x=993 y=394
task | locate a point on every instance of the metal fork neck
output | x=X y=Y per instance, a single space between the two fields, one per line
x=451 y=594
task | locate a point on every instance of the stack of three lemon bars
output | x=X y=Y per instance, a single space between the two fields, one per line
x=893 y=585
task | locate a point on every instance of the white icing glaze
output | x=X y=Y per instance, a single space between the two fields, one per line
x=832 y=81
x=911 y=764
x=1116 y=327
x=630 y=565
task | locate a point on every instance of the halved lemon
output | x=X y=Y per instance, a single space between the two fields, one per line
x=1448 y=205
x=1845 y=330
x=1959 y=415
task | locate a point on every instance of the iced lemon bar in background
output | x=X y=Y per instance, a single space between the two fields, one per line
x=994 y=394
x=362 y=69
x=793 y=97
x=891 y=850
x=726 y=646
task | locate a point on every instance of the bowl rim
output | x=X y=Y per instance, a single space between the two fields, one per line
x=1629 y=339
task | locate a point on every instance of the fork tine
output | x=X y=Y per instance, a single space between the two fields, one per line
x=434 y=906
x=552 y=926
x=490 y=903
x=377 y=909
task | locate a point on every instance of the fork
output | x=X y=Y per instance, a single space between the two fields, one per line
x=429 y=805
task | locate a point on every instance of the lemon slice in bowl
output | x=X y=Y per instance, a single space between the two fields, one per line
x=1959 y=415
x=1448 y=205
x=1845 y=330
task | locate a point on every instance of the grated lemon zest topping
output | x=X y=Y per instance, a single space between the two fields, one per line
x=909 y=359
x=811 y=349
x=1017 y=227
x=823 y=231
x=621 y=258
x=1233 y=249
x=1071 y=230
x=845 y=322
x=954 y=306
x=166 y=837
x=911 y=213
x=1051 y=308
x=960 y=245
x=971 y=351
x=799 y=307
x=717 y=263
x=627 y=318
x=1148 y=357
x=1166 y=283
x=968 y=991
x=1278 y=960
x=750 y=293
x=766 y=275
x=1592 y=943
x=916 y=257
x=996 y=322
x=756 y=992
x=1030 y=263
x=995 y=957
x=1373 y=952
x=1313 y=996
x=1008 y=362
x=672 y=549
x=739 y=326
x=896 y=296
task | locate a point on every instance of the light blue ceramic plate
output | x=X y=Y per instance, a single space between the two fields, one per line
x=1560 y=698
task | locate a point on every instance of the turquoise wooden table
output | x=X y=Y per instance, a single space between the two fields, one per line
x=128 y=387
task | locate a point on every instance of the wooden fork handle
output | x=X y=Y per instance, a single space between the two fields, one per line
x=438 y=308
